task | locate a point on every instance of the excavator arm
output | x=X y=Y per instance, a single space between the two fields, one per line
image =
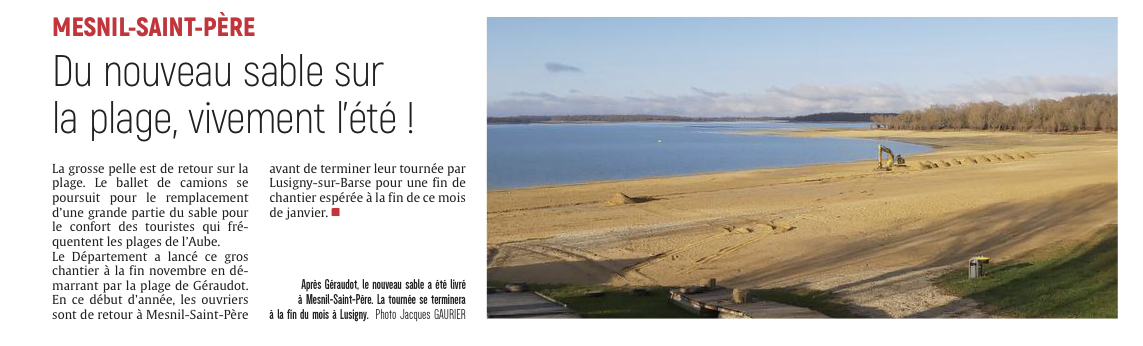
x=889 y=161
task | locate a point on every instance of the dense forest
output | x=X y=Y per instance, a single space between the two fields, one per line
x=618 y=118
x=1096 y=112
x=837 y=117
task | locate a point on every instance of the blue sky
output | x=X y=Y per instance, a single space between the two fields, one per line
x=790 y=66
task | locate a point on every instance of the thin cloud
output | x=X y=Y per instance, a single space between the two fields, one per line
x=1033 y=85
x=555 y=67
x=709 y=94
x=547 y=96
x=845 y=92
x=804 y=99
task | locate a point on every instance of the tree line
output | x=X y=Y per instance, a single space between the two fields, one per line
x=1095 y=112
x=836 y=117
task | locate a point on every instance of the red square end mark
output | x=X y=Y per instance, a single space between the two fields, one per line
x=336 y=211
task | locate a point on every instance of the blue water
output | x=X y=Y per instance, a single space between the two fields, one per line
x=550 y=154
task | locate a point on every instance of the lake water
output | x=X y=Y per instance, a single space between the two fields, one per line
x=552 y=154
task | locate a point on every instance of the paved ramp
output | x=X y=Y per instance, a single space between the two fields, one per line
x=718 y=303
x=526 y=305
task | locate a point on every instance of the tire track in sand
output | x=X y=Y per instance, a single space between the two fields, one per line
x=724 y=231
x=667 y=254
x=723 y=252
x=597 y=260
x=588 y=263
x=586 y=271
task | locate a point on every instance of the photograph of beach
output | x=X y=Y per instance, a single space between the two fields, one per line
x=802 y=167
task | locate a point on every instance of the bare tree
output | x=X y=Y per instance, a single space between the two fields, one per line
x=1095 y=112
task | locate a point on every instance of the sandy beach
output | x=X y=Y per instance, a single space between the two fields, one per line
x=873 y=237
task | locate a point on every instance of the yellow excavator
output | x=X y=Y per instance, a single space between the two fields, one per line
x=887 y=163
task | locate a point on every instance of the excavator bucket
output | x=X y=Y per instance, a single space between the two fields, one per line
x=886 y=160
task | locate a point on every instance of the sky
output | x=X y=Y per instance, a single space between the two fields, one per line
x=790 y=66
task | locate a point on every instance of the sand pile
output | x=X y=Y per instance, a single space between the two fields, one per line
x=619 y=198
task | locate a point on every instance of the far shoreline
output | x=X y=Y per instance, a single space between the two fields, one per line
x=638 y=122
x=676 y=122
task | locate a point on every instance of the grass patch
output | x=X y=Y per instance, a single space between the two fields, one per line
x=616 y=302
x=820 y=301
x=1064 y=281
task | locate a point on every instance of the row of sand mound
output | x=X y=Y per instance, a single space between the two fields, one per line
x=768 y=227
x=972 y=160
